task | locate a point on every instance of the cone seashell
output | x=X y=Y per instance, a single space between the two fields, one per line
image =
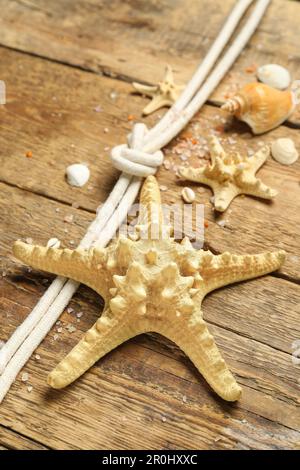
x=151 y=284
x=284 y=151
x=275 y=76
x=263 y=108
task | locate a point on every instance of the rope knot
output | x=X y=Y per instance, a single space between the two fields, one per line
x=131 y=159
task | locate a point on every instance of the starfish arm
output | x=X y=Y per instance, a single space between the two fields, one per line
x=223 y=196
x=145 y=89
x=216 y=149
x=194 y=339
x=194 y=174
x=156 y=103
x=80 y=265
x=169 y=74
x=106 y=334
x=255 y=187
x=259 y=158
x=221 y=270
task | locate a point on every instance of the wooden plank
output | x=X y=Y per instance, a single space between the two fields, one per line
x=84 y=33
x=14 y=441
x=149 y=379
x=68 y=130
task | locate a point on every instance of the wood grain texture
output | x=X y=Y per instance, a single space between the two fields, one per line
x=147 y=383
x=11 y=440
x=84 y=33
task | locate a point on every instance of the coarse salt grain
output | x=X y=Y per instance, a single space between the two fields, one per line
x=163 y=188
x=25 y=377
x=38 y=357
x=69 y=218
x=29 y=240
x=221 y=223
x=29 y=388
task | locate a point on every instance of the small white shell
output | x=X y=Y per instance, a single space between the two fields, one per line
x=188 y=195
x=77 y=174
x=53 y=243
x=284 y=151
x=275 y=76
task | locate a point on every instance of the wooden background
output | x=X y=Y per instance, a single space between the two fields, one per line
x=61 y=60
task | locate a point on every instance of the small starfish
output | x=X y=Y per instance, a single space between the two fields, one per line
x=151 y=284
x=231 y=175
x=163 y=94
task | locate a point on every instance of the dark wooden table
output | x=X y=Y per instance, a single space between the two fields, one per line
x=60 y=61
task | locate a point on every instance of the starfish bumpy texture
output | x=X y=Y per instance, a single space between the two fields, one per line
x=231 y=175
x=152 y=284
x=163 y=94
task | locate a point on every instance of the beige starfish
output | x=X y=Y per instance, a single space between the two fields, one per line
x=231 y=175
x=151 y=284
x=163 y=94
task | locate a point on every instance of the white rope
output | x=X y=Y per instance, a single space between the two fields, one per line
x=29 y=335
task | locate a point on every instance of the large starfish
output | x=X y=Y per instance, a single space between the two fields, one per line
x=231 y=175
x=150 y=284
x=163 y=94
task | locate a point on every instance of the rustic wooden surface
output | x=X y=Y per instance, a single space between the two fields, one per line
x=60 y=60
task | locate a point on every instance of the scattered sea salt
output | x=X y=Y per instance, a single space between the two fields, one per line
x=29 y=388
x=221 y=223
x=71 y=328
x=59 y=330
x=98 y=109
x=38 y=357
x=70 y=310
x=25 y=377
x=164 y=419
x=29 y=241
x=113 y=95
x=79 y=314
x=184 y=399
x=106 y=130
x=55 y=337
x=163 y=188
x=69 y=218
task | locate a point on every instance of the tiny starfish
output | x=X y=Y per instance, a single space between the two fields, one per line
x=163 y=94
x=151 y=284
x=231 y=175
